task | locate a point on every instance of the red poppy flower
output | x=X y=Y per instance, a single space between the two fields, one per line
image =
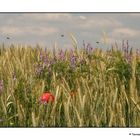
x=47 y=97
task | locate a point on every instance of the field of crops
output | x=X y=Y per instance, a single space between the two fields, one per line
x=91 y=87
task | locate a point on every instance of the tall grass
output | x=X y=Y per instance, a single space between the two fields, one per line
x=92 y=87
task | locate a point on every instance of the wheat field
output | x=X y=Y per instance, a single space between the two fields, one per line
x=92 y=87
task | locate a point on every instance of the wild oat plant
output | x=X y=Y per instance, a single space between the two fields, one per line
x=91 y=87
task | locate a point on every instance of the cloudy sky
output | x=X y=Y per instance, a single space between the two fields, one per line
x=46 y=28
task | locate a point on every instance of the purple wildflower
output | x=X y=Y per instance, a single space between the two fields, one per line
x=45 y=50
x=39 y=70
x=128 y=58
x=61 y=55
x=73 y=61
x=125 y=47
x=46 y=60
x=88 y=48
x=1 y=86
x=127 y=51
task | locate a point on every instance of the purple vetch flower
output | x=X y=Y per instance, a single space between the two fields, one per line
x=45 y=50
x=1 y=86
x=61 y=55
x=127 y=51
x=44 y=57
x=125 y=47
x=128 y=58
x=88 y=48
x=73 y=61
x=39 y=69
x=71 y=52
x=46 y=60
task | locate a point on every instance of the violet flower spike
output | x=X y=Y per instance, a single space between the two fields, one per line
x=1 y=86
x=39 y=70
x=73 y=61
x=89 y=48
x=61 y=55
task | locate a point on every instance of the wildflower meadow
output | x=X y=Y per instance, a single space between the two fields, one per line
x=77 y=87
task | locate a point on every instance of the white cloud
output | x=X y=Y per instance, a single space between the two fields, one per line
x=136 y=15
x=110 y=40
x=48 y=16
x=82 y=17
x=124 y=31
x=118 y=34
x=42 y=31
x=10 y=30
x=99 y=22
